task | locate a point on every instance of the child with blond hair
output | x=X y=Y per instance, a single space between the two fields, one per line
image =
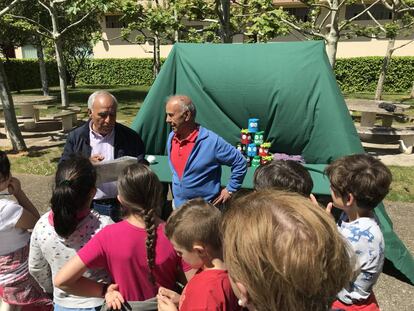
x=283 y=253
x=194 y=231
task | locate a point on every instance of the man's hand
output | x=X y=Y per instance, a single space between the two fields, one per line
x=223 y=197
x=170 y=294
x=113 y=298
x=14 y=187
x=165 y=303
x=95 y=158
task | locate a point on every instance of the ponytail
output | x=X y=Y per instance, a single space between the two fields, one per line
x=74 y=180
x=141 y=189
x=151 y=229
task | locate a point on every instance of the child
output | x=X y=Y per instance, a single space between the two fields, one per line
x=60 y=233
x=194 y=230
x=283 y=175
x=283 y=253
x=358 y=184
x=135 y=251
x=19 y=288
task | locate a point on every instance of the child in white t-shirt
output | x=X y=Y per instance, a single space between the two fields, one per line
x=18 y=287
x=359 y=183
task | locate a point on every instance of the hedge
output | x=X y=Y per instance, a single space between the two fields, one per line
x=116 y=71
x=360 y=74
x=24 y=74
x=353 y=74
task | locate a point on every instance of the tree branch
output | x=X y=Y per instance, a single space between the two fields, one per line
x=77 y=22
x=45 y=6
x=346 y=22
x=402 y=45
x=33 y=22
x=320 y=5
x=301 y=30
x=374 y=19
x=9 y=7
x=385 y=3
x=324 y=20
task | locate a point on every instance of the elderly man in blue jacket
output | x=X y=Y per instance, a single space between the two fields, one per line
x=196 y=154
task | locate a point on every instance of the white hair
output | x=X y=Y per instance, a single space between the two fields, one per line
x=92 y=97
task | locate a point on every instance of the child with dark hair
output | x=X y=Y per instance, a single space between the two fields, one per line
x=18 y=287
x=61 y=232
x=135 y=251
x=358 y=184
x=194 y=231
x=283 y=175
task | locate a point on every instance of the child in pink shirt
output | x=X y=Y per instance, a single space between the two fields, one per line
x=135 y=251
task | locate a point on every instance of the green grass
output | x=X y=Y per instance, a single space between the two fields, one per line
x=402 y=187
x=43 y=160
x=130 y=99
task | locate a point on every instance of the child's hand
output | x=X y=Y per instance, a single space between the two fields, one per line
x=165 y=304
x=113 y=298
x=328 y=208
x=14 y=186
x=170 y=294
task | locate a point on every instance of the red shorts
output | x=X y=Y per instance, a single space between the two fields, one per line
x=369 y=304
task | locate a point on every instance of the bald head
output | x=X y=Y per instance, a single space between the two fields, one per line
x=184 y=102
x=181 y=114
x=102 y=112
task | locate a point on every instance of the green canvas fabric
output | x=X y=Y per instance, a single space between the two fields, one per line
x=290 y=87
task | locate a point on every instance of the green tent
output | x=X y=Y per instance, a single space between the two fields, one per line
x=289 y=87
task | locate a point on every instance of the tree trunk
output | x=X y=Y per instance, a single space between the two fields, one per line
x=62 y=72
x=57 y=40
x=385 y=63
x=412 y=92
x=225 y=27
x=9 y=113
x=157 y=59
x=42 y=66
x=333 y=35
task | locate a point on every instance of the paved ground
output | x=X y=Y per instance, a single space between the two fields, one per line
x=392 y=294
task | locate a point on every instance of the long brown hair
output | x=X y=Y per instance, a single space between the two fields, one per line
x=286 y=252
x=141 y=190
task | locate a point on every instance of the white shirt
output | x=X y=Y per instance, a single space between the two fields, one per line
x=49 y=252
x=367 y=241
x=11 y=238
x=103 y=145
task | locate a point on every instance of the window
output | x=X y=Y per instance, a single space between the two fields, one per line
x=378 y=11
x=301 y=14
x=29 y=51
x=113 y=21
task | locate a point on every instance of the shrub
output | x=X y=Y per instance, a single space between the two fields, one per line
x=360 y=74
x=24 y=73
x=116 y=71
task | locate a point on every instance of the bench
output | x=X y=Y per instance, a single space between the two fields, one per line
x=67 y=119
x=36 y=111
x=388 y=135
x=74 y=109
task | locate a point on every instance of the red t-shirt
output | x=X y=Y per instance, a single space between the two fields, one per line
x=181 y=150
x=209 y=290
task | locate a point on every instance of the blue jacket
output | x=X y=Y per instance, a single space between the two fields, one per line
x=202 y=172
